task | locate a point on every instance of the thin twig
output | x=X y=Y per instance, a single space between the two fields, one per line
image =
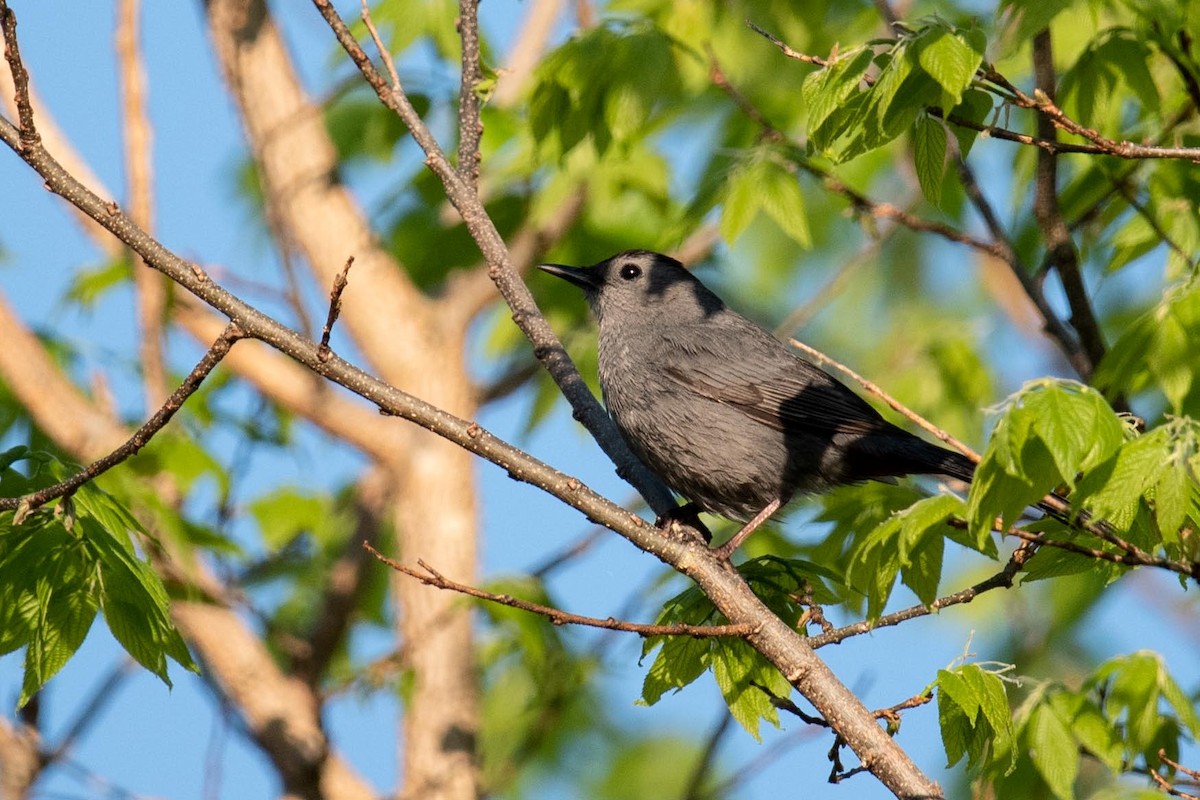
x=141 y=436
x=335 y=308
x=1045 y=105
x=704 y=765
x=892 y=402
x=858 y=200
x=1166 y=786
x=431 y=577
x=1001 y=580
x=1052 y=324
x=1130 y=555
x=786 y=49
x=834 y=286
x=1161 y=233
x=1194 y=774
x=89 y=713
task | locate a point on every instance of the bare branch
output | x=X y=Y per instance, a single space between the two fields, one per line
x=786 y=49
x=20 y=77
x=140 y=438
x=431 y=577
x=1001 y=580
x=892 y=402
x=1170 y=789
x=470 y=127
x=1061 y=252
x=1131 y=555
x=1044 y=104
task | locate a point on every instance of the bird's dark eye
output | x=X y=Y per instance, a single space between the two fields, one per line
x=630 y=271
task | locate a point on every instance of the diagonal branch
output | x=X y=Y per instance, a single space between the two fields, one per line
x=1001 y=580
x=526 y=314
x=892 y=402
x=141 y=436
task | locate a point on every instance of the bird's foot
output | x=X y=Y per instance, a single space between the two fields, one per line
x=687 y=515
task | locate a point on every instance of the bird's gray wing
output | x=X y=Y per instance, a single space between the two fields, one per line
x=772 y=386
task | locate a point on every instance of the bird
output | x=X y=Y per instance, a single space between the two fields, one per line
x=723 y=412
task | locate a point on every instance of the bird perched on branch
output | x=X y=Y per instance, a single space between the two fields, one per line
x=723 y=412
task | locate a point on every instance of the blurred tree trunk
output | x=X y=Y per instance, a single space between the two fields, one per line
x=403 y=335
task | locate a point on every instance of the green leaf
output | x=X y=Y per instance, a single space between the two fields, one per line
x=90 y=285
x=929 y=156
x=951 y=61
x=826 y=90
x=680 y=661
x=784 y=203
x=975 y=718
x=1053 y=751
x=743 y=674
x=1048 y=432
x=741 y=202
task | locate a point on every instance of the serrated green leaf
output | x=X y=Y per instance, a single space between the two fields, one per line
x=956 y=728
x=742 y=674
x=680 y=661
x=742 y=199
x=1053 y=751
x=929 y=156
x=825 y=91
x=783 y=201
x=950 y=61
x=875 y=564
x=1174 y=496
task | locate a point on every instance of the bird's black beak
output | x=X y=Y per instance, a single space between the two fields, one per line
x=585 y=278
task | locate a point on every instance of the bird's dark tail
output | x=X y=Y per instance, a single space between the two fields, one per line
x=955 y=465
x=901 y=453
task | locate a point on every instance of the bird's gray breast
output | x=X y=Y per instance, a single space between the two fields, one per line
x=707 y=451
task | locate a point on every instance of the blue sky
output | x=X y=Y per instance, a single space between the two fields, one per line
x=154 y=742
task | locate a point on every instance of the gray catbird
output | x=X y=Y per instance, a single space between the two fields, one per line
x=726 y=414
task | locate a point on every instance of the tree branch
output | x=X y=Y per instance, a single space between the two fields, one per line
x=1001 y=580
x=140 y=438
x=431 y=577
x=470 y=127
x=547 y=347
x=1061 y=252
x=774 y=638
x=892 y=402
